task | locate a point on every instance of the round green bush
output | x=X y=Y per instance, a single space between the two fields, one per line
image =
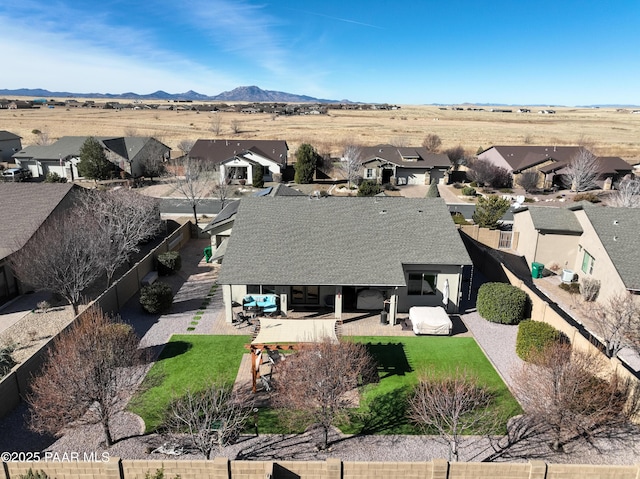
x=468 y=191
x=169 y=263
x=501 y=303
x=156 y=298
x=533 y=337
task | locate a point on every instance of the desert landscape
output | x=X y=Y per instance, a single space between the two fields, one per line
x=608 y=131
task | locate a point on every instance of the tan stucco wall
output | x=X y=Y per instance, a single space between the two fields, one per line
x=444 y=272
x=603 y=270
x=528 y=235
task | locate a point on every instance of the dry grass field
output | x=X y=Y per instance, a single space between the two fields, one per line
x=607 y=131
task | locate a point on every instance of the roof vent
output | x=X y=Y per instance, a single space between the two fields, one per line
x=383 y=212
x=616 y=222
x=615 y=238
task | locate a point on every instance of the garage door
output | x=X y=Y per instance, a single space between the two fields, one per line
x=415 y=179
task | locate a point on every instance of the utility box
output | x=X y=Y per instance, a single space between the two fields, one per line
x=536 y=270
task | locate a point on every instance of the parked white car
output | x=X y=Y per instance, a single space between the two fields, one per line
x=15 y=174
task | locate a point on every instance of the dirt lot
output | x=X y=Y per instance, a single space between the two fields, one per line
x=611 y=132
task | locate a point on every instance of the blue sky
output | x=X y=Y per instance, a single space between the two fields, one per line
x=540 y=52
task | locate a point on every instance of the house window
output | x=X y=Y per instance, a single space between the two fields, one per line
x=370 y=173
x=261 y=289
x=422 y=284
x=587 y=263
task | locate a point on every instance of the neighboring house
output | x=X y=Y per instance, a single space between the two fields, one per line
x=551 y=163
x=403 y=165
x=324 y=252
x=25 y=208
x=592 y=241
x=220 y=227
x=9 y=144
x=237 y=158
x=63 y=156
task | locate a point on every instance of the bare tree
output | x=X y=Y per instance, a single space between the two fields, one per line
x=42 y=138
x=453 y=406
x=63 y=256
x=153 y=158
x=399 y=141
x=626 y=194
x=185 y=146
x=216 y=124
x=566 y=397
x=482 y=172
x=529 y=180
x=125 y=219
x=88 y=375
x=222 y=187
x=211 y=418
x=351 y=162
x=457 y=156
x=236 y=126
x=194 y=179
x=615 y=322
x=315 y=383
x=582 y=171
x=432 y=143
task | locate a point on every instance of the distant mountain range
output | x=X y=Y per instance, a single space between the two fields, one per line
x=243 y=93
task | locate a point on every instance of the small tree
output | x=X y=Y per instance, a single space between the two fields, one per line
x=529 y=180
x=258 y=176
x=312 y=385
x=433 y=192
x=88 y=375
x=626 y=195
x=369 y=188
x=501 y=303
x=93 y=161
x=351 y=162
x=533 y=337
x=452 y=406
x=306 y=162
x=489 y=211
x=64 y=256
x=616 y=322
x=216 y=124
x=194 y=179
x=457 y=156
x=211 y=418
x=432 y=143
x=582 y=171
x=486 y=173
x=153 y=159
x=564 y=395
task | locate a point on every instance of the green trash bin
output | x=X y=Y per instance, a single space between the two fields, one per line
x=208 y=252
x=536 y=270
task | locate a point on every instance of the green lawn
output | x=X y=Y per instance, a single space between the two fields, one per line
x=187 y=361
x=192 y=360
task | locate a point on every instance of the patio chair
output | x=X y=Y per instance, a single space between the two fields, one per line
x=242 y=320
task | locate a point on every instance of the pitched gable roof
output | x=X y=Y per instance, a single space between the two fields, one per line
x=553 y=219
x=522 y=157
x=407 y=157
x=617 y=229
x=218 y=151
x=345 y=241
x=25 y=206
x=7 y=135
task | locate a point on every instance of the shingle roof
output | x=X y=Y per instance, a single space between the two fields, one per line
x=25 y=206
x=398 y=155
x=618 y=230
x=7 y=135
x=521 y=157
x=548 y=218
x=218 y=151
x=346 y=241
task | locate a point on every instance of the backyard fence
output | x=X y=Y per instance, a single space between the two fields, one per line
x=222 y=468
x=15 y=384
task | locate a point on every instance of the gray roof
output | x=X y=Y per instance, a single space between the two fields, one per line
x=549 y=218
x=338 y=241
x=618 y=230
x=407 y=157
x=69 y=146
x=522 y=157
x=7 y=135
x=25 y=206
x=218 y=151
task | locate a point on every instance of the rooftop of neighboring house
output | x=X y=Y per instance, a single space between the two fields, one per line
x=407 y=157
x=25 y=206
x=551 y=219
x=7 y=135
x=337 y=240
x=69 y=146
x=218 y=151
x=229 y=211
x=522 y=157
x=607 y=165
x=617 y=229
